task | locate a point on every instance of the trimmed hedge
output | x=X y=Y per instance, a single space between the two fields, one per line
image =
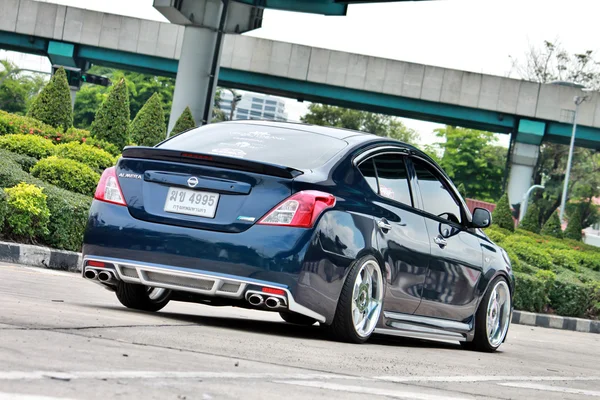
x=148 y=126
x=112 y=118
x=29 y=145
x=67 y=174
x=502 y=216
x=27 y=212
x=69 y=210
x=184 y=122
x=53 y=105
x=25 y=162
x=91 y=156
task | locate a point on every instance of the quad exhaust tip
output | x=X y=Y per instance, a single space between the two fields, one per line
x=255 y=299
x=273 y=302
x=90 y=274
x=105 y=276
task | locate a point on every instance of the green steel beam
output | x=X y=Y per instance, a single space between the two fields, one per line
x=325 y=7
x=61 y=53
x=23 y=43
x=530 y=132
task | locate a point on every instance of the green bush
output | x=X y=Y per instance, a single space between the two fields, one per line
x=502 y=216
x=570 y=298
x=552 y=226
x=27 y=212
x=3 y=209
x=53 y=105
x=11 y=124
x=530 y=293
x=69 y=210
x=112 y=119
x=565 y=259
x=531 y=221
x=91 y=156
x=184 y=122
x=574 y=227
x=29 y=145
x=532 y=254
x=67 y=174
x=25 y=162
x=148 y=126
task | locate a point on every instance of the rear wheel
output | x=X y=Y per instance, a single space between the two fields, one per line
x=297 y=319
x=493 y=318
x=360 y=302
x=140 y=297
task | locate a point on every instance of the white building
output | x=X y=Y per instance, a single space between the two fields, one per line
x=254 y=106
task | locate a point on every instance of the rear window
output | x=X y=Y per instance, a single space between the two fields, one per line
x=266 y=144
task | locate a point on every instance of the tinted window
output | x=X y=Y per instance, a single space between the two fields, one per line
x=269 y=108
x=257 y=100
x=436 y=197
x=256 y=106
x=367 y=169
x=393 y=179
x=263 y=143
x=271 y=102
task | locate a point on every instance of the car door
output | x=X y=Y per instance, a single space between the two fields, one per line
x=401 y=235
x=456 y=258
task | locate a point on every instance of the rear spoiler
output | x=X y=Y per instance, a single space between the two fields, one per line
x=186 y=157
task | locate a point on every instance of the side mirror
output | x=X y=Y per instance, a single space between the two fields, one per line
x=482 y=218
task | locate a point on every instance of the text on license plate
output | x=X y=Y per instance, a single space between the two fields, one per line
x=191 y=202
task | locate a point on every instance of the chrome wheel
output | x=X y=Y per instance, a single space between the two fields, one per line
x=498 y=314
x=367 y=298
x=156 y=294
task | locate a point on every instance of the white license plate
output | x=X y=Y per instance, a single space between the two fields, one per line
x=191 y=202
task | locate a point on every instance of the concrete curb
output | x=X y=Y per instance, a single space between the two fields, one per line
x=556 y=322
x=39 y=256
x=46 y=257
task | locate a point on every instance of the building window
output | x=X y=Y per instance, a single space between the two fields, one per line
x=269 y=116
x=257 y=107
x=242 y=111
x=257 y=100
x=270 y=108
x=255 y=113
x=271 y=102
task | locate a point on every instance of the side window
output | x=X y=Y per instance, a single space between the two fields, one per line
x=367 y=168
x=387 y=176
x=437 y=199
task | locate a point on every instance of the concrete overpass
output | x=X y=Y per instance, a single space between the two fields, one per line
x=531 y=112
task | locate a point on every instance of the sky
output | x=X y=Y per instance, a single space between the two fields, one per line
x=472 y=35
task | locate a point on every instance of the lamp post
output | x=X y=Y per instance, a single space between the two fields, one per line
x=578 y=100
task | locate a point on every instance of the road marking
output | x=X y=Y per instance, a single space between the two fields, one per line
x=19 y=396
x=398 y=394
x=548 y=388
x=467 y=379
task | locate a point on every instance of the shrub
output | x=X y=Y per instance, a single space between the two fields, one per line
x=28 y=213
x=184 y=122
x=552 y=226
x=565 y=259
x=112 y=119
x=531 y=221
x=25 y=162
x=502 y=216
x=53 y=105
x=3 y=209
x=570 y=298
x=531 y=254
x=148 y=126
x=574 y=227
x=29 y=145
x=91 y=156
x=67 y=174
x=69 y=210
x=12 y=124
x=530 y=293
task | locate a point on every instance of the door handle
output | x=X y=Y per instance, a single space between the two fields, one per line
x=384 y=225
x=440 y=241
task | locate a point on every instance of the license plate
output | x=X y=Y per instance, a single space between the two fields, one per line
x=191 y=202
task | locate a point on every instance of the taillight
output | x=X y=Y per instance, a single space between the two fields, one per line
x=108 y=189
x=301 y=210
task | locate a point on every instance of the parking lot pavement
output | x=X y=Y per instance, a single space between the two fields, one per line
x=63 y=337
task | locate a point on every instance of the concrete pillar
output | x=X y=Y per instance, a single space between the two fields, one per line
x=73 y=94
x=523 y=161
x=193 y=73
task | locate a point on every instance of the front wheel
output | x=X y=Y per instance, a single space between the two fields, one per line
x=360 y=302
x=492 y=318
x=140 y=297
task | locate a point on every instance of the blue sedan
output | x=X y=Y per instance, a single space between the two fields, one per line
x=359 y=233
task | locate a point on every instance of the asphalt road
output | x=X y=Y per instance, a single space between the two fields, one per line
x=63 y=337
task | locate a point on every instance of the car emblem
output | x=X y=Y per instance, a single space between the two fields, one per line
x=192 y=182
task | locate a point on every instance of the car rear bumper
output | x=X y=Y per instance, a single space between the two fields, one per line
x=200 y=261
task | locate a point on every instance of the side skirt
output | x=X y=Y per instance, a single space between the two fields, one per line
x=420 y=327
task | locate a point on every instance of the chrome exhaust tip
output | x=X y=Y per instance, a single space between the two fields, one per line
x=90 y=274
x=273 y=302
x=105 y=276
x=255 y=299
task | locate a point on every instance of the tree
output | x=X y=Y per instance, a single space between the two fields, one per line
x=470 y=157
x=462 y=190
x=184 y=122
x=148 y=126
x=552 y=226
x=546 y=64
x=53 y=104
x=574 y=227
x=18 y=90
x=377 y=124
x=531 y=221
x=502 y=215
x=112 y=119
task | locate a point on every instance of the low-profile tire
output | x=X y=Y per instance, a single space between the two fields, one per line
x=492 y=319
x=361 y=299
x=140 y=297
x=297 y=319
